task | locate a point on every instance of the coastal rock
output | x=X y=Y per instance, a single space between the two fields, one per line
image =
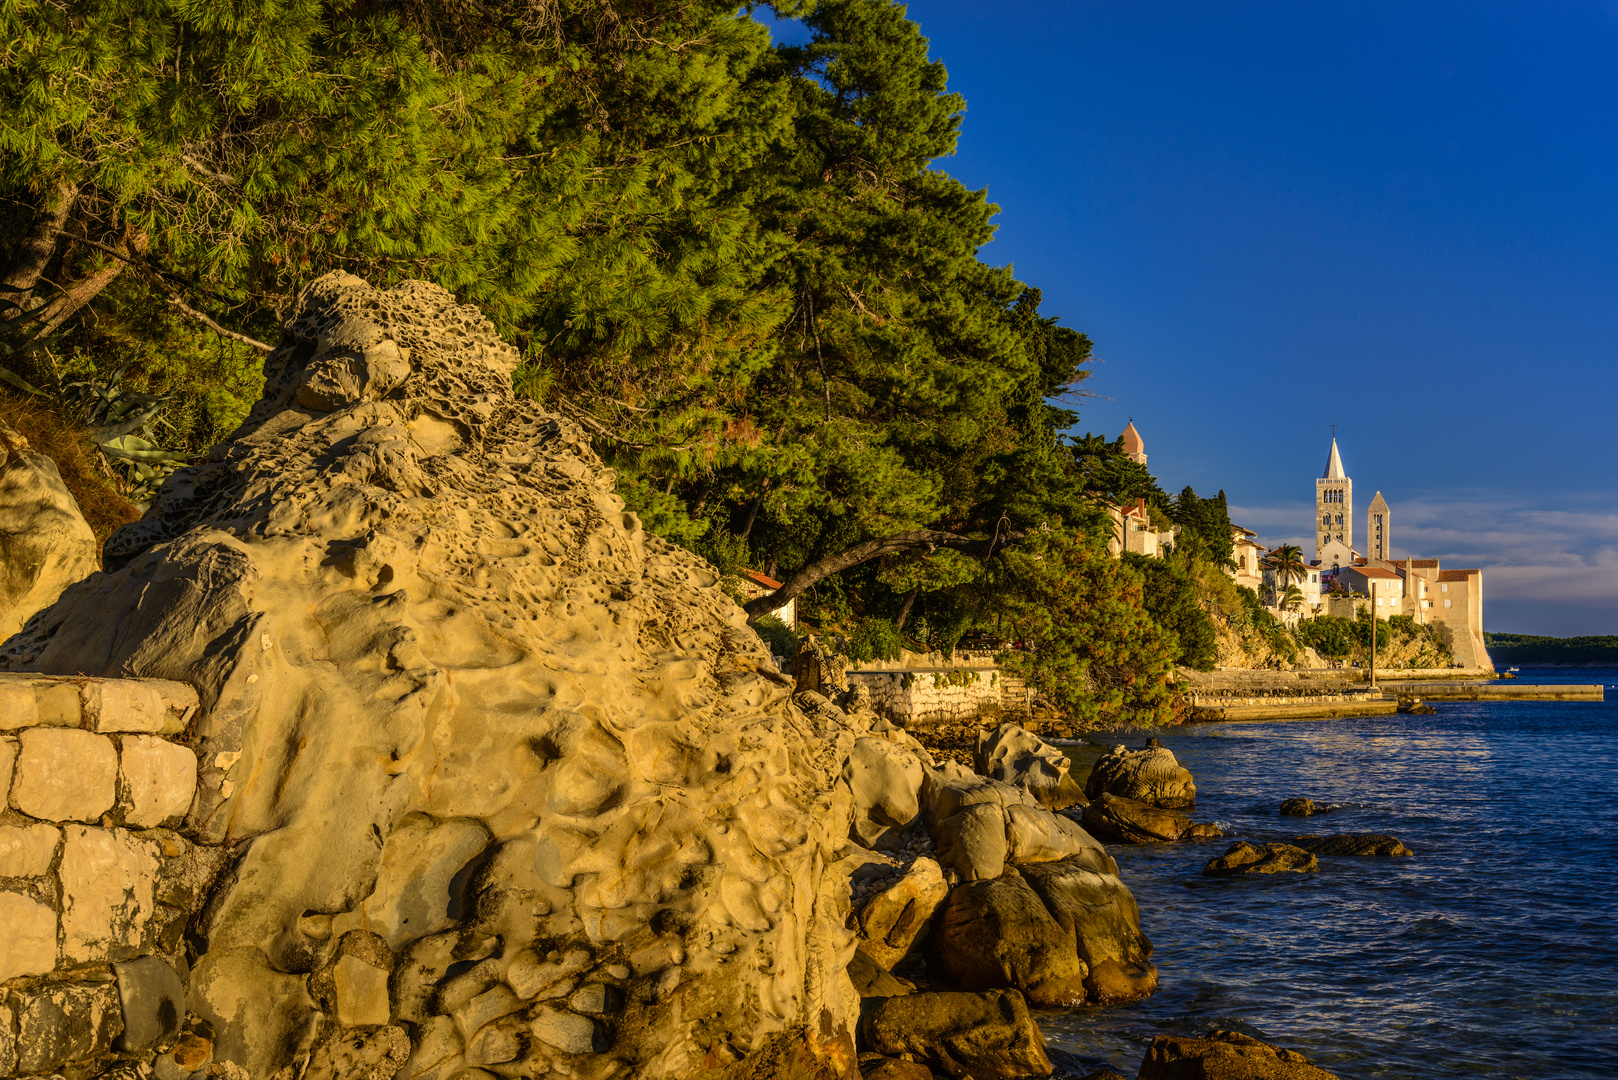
x=870 y=979
x=1245 y=858
x=45 y=543
x=1015 y=756
x=1352 y=844
x=980 y=825
x=1126 y=821
x=985 y=1036
x=889 y=922
x=1299 y=808
x=1061 y=932
x=1151 y=776
x=410 y=601
x=884 y=782
x=1414 y=706
x=1224 y=1055
x=878 y=1067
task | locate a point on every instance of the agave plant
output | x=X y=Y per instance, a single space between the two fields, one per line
x=115 y=414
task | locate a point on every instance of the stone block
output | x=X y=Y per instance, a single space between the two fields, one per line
x=420 y=879
x=17 y=708
x=361 y=992
x=8 y=1041
x=56 y=703
x=27 y=850
x=28 y=946
x=107 y=880
x=159 y=779
x=563 y=1030
x=8 y=762
x=123 y=705
x=152 y=998
x=64 y=1022
x=64 y=774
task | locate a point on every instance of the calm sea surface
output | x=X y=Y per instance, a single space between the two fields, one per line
x=1492 y=953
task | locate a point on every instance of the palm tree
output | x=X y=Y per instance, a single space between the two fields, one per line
x=1293 y=600
x=1286 y=562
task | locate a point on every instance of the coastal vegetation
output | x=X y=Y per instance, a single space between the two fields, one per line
x=1597 y=651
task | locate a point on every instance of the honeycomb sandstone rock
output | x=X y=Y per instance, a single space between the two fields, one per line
x=456 y=701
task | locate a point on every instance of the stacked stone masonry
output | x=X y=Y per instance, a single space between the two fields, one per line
x=97 y=879
x=929 y=696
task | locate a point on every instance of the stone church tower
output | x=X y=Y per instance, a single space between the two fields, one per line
x=1134 y=445
x=1379 y=529
x=1334 y=513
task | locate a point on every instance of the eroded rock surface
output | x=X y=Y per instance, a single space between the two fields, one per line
x=45 y=543
x=1352 y=844
x=1245 y=858
x=510 y=784
x=1126 y=821
x=1225 y=1055
x=1299 y=808
x=1016 y=756
x=985 y=1036
x=1151 y=776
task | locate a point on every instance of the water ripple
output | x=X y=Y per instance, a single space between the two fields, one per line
x=1489 y=953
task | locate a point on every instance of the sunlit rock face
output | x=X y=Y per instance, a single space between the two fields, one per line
x=500 y=772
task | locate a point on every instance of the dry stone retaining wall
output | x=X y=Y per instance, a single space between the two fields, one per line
x=924 y=697
x=97 y=877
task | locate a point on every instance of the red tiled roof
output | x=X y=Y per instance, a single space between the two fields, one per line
x=1457 y=575
x=1421 y=564
x=1373 y=571
x=762 y=579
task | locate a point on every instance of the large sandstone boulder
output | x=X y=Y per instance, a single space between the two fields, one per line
x=1224 y=1055
x=1126 y=821
x=981 y=825
x=505 y=777
x=1016 y=756
x=985 y=1036
x=884 y=780
x=1061 y=932
x=45 y=543
x=1151 y=776
x=889 y=922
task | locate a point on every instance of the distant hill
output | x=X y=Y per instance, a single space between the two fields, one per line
x=1507 y=649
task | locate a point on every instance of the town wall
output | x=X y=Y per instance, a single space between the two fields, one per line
x=98 y=879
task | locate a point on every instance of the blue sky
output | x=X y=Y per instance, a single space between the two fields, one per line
x=1270 y=216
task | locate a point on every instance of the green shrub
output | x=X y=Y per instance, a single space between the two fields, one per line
x=780 y=638
x=874 y=639
x=1329 y=635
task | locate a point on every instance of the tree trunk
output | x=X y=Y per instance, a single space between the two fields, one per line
x=81 y=292
x=752 y=515
x=870 y=549
x=35 y=252
x=904 y=612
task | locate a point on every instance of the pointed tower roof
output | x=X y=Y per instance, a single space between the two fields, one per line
x=1133 y=443
x=1378 y=503
x=1334 y=464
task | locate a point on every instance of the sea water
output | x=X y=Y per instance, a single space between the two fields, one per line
x=1493 y=952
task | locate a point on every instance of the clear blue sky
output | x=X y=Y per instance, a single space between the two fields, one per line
x=1269 y=216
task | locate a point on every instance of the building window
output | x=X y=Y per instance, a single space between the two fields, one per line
x=1448 y=603
x=1443 y=588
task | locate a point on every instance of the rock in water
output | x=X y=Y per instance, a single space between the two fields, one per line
x=1299 y=808
x=1130 y=822
x=1151 y=776
x=1018 y=757
x=1352 y=844
x=501 y=769
x=45 y=543
x=1245 y=858
x=985 y=1036
x=1224 y=1055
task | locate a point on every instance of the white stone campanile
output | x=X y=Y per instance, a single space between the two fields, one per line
x=1334 y=513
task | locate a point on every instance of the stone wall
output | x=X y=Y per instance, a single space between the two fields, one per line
x=919 y=697
x=97 y=877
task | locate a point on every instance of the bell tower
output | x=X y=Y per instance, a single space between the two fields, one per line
x=1379 y=529
x=1334 y=513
